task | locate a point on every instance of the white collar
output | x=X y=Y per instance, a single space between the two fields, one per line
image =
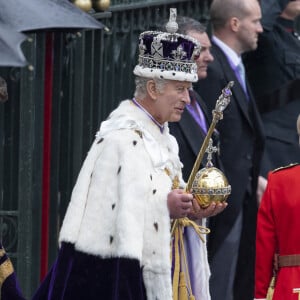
x=231 y=54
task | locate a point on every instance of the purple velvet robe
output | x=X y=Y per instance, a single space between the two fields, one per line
x=10 y=289
x=79 y=276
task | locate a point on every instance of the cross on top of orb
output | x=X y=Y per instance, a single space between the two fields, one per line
x=210 y=150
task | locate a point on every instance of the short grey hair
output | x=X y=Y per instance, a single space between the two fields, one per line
x=223 y=10
x=141 y=86
x=186 y=25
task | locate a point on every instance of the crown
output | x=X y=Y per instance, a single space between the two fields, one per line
x=168 y=55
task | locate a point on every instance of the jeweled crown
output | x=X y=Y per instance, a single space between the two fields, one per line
x=168 y=55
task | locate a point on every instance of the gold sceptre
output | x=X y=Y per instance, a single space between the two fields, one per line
x=191 y=186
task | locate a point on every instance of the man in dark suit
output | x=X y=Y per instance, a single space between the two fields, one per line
x=275 y=64
x=236 y=26
x=273 y=70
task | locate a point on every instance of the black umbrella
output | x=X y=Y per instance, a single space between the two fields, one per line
x=29 y=15
x=10 y=47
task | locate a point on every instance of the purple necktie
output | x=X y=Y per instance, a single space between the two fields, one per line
x=240 y=72
x=195 y=110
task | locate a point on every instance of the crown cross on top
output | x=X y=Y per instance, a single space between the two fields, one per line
x=167 y=55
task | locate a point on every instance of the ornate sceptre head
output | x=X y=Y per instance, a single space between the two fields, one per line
x=210 y=184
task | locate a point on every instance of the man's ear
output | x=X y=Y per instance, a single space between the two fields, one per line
x=151 y=89
x=234 y=24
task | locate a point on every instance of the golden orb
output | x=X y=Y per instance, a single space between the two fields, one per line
x=210 y=185
x=85 y=5
x=101 y=5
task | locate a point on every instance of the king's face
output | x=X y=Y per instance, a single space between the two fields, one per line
x=171 y=101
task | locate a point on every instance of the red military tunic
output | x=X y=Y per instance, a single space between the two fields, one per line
x=278 y=230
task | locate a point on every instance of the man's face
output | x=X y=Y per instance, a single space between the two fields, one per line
x=250 y=27
x=205 y=56
x=170 y=102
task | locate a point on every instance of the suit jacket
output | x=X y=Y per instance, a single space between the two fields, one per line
x=190 y=137
x=281 y=134
x=241 y=148
x=274 y=65
x=277 y=232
